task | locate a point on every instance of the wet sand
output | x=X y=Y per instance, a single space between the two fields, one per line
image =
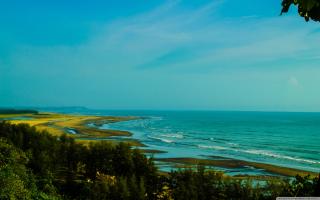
x=236 y=164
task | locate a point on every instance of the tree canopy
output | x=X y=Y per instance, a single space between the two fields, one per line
x=309 y=9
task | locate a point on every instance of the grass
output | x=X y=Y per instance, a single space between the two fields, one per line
x=131 y=142
x=14 y=115
x=58 y=124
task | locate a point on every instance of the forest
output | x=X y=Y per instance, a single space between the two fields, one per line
x=14 y=111
x=37 y=165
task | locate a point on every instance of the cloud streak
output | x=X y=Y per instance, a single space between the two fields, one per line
x=209 y=58
x=170 y=36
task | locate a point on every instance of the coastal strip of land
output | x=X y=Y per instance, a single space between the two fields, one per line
x=76 y=126
x=234 y=164
x=85 y=129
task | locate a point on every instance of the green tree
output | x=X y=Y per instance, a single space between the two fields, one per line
x=122 y=191
x=15 y=183
x=309 y=9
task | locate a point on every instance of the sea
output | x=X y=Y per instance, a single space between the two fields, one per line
x=289 y=139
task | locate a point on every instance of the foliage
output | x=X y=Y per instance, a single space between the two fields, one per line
x=14 y=111
x=13 y=174
x=37 y=165
x=309 y=9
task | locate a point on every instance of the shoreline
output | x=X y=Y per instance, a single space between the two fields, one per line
x=78 y=127
x=227 y=163
x=75 y=126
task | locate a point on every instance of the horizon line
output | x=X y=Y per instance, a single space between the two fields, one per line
x=149 y=109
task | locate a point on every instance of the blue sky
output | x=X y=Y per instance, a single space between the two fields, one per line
x=216 y=55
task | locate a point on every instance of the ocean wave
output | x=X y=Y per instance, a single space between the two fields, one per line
x=161 y=139
x=260 y=152
x=155 y=118
x=219 y=139
x=179 y=136
x=274 y=155
x=232 y=144
x=212 y=147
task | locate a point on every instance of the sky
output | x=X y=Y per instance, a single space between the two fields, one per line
x=158 y=55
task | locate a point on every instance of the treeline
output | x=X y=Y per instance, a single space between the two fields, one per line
x=37 y=165
x=14 y=111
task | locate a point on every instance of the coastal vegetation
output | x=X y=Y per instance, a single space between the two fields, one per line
x=14 y=111
x=37 y=165
x=74 y=125
x=308 y=9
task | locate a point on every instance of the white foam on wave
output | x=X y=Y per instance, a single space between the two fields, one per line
x=156 y=117
x=270 y=154
x=161 y=139
x=179 y=136
x=261 y=152
x=212 y=147
x=232 y=144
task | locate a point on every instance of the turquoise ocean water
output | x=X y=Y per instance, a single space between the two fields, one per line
x=280 y=138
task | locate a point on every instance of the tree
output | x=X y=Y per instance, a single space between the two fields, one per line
x=13 y=174
x=309 y=9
